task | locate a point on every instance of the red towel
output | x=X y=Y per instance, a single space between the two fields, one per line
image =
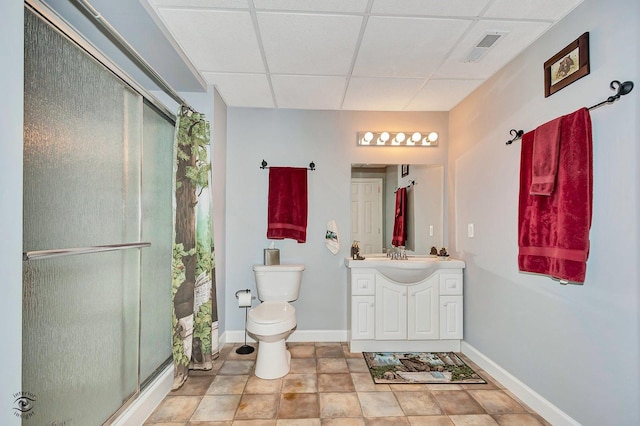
x=546 y=147
x=287 y=204
x=553 y=231
x=400 y=223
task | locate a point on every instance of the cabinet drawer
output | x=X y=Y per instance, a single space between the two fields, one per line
x=451 y=284
x=363 y=284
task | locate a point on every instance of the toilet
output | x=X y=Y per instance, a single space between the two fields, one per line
x=273 y=320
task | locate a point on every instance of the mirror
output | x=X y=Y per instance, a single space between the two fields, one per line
x=373 y=200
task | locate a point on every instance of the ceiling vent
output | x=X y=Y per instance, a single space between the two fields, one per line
x=482 y=47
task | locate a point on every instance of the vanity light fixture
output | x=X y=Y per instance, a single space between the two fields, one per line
x=398 y=139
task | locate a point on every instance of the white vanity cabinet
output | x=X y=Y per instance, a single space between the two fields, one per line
x=406 y=312
x=386 y=315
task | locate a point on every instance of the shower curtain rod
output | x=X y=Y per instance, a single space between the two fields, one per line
x=622 y=88
x=135 y=55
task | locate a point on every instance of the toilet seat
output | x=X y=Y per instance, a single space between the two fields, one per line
x=270 y=318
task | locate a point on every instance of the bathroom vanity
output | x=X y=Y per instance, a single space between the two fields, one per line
x=404 y=305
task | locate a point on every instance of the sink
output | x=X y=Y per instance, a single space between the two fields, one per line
x=406 y=271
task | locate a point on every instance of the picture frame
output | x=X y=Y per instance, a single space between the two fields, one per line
x=405 y=170
x=567 y=66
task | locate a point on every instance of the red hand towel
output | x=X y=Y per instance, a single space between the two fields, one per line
x=400 y=223
x=546 y=147
x=287 y=211
x=553 y=231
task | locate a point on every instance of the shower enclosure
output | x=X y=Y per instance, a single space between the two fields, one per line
x=97 y=231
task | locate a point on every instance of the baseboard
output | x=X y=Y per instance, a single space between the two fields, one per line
x=540 y=405
x=237 y=336
x=147 y=401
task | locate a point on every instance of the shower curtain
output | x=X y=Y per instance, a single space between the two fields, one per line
x=193 y=289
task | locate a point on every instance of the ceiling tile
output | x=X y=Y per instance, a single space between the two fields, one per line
x=520 y=35
x=308 y=92
x=230 y=4
x=406 y=47
x=309 y=44
x=357 y=6
x=442 y=95
x=380 y=94
x=242 y=90
x=216 y=41
x=433 y=8
x=527 y=9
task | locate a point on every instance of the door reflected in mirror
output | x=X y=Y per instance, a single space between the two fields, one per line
x=373 y=206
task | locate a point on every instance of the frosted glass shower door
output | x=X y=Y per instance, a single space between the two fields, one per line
x=157 y=228
x=82 y=148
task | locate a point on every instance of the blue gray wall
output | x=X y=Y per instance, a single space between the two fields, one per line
x=295 y=138
x=577 y=346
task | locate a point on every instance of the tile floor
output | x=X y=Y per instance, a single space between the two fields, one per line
x=329 y=386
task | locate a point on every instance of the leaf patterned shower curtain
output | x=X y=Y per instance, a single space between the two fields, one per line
x=193 y=289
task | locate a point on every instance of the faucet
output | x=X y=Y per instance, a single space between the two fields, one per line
x=397 y=253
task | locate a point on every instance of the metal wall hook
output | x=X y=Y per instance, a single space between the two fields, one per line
x=621 y=88
x=517 y=134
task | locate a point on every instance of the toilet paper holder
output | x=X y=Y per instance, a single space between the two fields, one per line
x=245 y=349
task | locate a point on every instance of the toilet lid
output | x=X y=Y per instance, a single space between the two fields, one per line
x=271 y=312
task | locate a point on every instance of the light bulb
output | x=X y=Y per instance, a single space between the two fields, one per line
x=400 y=137
x=367 y=138
x=433 y=136
x=384 y=137
x=416 y=137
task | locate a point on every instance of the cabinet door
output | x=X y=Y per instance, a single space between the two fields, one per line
x=422 y=311
x=451 y=317
x=391 y=310
x=362 y=318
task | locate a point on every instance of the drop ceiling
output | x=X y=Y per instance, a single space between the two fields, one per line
x=376 y=55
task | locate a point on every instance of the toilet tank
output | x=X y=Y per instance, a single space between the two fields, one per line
x=278 y=282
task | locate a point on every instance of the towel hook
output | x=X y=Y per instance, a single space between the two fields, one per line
x=517 y=134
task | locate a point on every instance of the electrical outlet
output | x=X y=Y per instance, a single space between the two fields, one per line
x=470 y=230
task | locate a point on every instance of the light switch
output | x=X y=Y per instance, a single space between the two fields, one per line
x=431 y=230
x=470 y=230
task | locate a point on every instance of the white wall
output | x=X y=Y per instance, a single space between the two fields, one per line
x=576 y=346
x=11 y=111
x=295 y=138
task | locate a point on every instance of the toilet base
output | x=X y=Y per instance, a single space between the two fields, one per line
x=273 y=360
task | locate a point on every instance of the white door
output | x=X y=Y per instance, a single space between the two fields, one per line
x=366 y=214
x=451 y=317
x=422 y=310
x=391 y=310
x=362 y=317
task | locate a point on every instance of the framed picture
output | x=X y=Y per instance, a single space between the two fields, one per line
x=405 y=170
x=566 y=66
